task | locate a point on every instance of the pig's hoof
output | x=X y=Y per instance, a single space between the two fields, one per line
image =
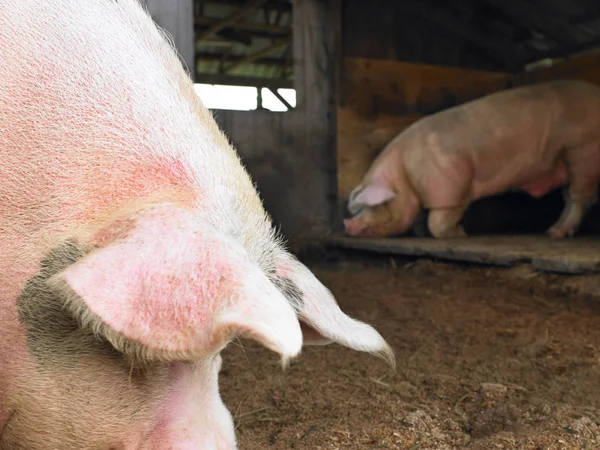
x=559 y=233
x=456 y=232
x=460 y=232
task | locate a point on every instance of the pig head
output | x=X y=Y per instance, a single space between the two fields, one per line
x=124 y=325
x=384 y=203
x=134 y=245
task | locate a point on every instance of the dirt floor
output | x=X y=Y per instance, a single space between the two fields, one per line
x=488 y=358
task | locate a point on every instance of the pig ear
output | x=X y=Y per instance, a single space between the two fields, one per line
x=173 y=288
x=323 y=320
x=369 y=195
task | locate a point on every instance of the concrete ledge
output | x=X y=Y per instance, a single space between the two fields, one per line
x=579 y=255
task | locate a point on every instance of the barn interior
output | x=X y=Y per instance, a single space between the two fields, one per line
x=495 y=334
x=362 y=73
x=393 y=74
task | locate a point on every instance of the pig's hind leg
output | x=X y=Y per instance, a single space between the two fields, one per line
x=579 y=196
x=444 y=222
x=577 y=203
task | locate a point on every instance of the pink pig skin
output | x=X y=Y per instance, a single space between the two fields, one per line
x=133 y=245
x=533 y=138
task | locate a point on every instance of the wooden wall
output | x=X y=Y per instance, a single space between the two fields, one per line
x=408 y=31
x=291 y=155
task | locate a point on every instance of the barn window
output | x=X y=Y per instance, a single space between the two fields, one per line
x=242 y=98
x=244 y=55
x=245 y=98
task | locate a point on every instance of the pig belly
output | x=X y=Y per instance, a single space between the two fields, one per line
x=546 y=182
x=521 y=176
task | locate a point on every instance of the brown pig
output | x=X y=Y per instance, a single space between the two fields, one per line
x=534 y=138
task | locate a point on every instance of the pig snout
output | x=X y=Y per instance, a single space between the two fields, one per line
x=194 y=419
x=393 y=217
x=355 y=227
x=370 y=223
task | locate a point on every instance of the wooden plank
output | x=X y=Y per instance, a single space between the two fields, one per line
x=257 y=55
x=495 y=47
x=375 y=87
x=569 y=256
x=335 y=19
x=382 y=29
x=237 y=60
x=257 y=29
x=282 y=6
x=567 y=51
x=274 y=83
x=533 y=16
x=231 y=20
x=313 y=118
x=585 y=67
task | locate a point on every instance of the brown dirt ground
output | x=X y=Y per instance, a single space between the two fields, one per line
x=488 y=358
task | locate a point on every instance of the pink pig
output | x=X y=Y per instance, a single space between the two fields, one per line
x=533 y=138
x=133 y=244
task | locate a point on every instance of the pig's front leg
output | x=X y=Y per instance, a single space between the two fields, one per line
x=443 y=222
x=578 y=199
